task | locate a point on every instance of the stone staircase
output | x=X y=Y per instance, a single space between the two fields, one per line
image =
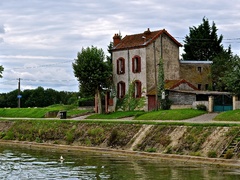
x=234 y=145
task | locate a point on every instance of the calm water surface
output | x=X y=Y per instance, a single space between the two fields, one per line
x=19 y=163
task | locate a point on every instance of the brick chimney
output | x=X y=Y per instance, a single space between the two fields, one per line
x=116 y=39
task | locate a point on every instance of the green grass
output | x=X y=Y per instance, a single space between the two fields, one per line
x=116 y=115
x=38 y=112
x=228 y=116
x=174 y=114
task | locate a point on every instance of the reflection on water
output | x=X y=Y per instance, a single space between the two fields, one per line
x=17 y=163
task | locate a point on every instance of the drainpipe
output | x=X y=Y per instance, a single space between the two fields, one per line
x=128 y=54
x=155 y=73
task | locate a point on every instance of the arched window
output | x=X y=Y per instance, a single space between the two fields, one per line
x=136 y=64
x=137 y=89
x=120 y=66
x=121 y=89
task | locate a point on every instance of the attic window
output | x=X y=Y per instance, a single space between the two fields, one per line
x=136 y=64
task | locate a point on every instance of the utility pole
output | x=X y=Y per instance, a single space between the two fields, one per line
x=19 y=96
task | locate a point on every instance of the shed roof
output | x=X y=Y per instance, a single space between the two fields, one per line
x=142 y=40
x=172 y=84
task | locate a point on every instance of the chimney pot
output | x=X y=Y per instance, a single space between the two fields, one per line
x=116 y=39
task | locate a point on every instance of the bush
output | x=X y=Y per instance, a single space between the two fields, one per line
x=201 y=107
x=212 y=154
x=229 y=154
x=113 y=137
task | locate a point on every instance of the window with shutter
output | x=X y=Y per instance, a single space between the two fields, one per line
x=120 y=66
x=120 y=89
x=138 y=89
x=136 y=64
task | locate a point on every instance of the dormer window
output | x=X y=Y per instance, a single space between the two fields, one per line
x=136 y=64
x=120 y=66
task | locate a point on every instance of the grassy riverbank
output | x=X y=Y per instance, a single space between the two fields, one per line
x=39 y=112
x=193 y=139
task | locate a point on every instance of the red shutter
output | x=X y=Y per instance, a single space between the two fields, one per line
x=139 y=89
x=118 y=66
x=139 y=64
x=118 y=88
x=123 y=89
x=123 y=66
x=133 y=65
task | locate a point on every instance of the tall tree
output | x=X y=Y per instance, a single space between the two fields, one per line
x=222 y=65
x=92 y=71
x=1 y=70
x=202 y=43
x=231 y=78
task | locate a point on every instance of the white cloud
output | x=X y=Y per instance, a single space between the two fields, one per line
x=37 y=33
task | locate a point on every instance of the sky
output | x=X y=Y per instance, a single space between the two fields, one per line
x=39 y=39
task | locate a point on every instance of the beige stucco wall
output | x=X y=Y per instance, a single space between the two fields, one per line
x=189 y=72
x=169 y=52
x=129 y=76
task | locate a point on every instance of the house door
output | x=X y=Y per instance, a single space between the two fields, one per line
x=151 y=103
x=222 y=103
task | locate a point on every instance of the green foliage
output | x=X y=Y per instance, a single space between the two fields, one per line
x=39 y=112
x=228 y=116
x=152 y=149
x=202 y=43
x=113 y=137
x=116 y=115
x=70 y=136
x=223 y=64
x=212 y=154
x=1 y=70
x=96 y=135
x=201 y=107
x=174 y=114
x=86 y=101
x=91 y=70
x=129 y=102
x=231 y=76
x=9 y=136
x=229 y=154
x=38 y=97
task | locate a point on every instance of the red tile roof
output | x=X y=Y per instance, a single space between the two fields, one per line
x=171 y=84
x=142 y=40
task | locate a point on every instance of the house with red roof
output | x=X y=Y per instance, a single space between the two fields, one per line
x=136 y=59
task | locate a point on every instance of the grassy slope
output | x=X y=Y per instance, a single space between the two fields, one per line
x=228 y=116
x=176 y=114
x=38 y=112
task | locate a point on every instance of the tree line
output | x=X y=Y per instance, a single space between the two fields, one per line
x=38 y=97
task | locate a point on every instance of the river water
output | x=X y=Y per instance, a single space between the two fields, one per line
x=22 y=164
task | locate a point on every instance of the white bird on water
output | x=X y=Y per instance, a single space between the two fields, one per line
x=61 y=159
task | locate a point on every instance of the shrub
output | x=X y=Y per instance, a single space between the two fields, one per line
x=201 y=107
x=229 y=154
x=113 y=137
x=151 y=149
x=69 y=137
x=9 y=136
x=212 y=154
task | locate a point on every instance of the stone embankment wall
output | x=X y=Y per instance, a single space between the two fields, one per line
x=165 y=139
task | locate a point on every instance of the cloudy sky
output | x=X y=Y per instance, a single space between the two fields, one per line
x=39 y=39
